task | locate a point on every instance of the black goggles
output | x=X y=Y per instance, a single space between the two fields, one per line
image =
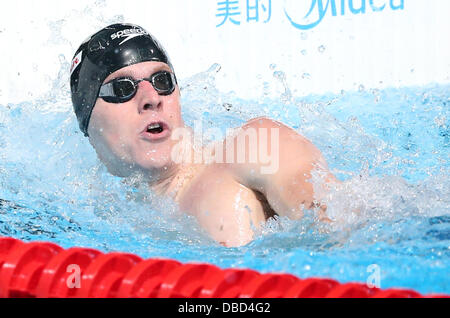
x=123 y=89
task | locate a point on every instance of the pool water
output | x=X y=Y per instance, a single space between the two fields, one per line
x=390 y=147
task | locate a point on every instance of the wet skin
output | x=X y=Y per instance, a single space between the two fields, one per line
x=229 y=199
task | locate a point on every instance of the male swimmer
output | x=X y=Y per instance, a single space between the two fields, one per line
x=127 y=101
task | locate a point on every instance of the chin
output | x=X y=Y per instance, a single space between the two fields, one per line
x=154 y=163
x=125 y=169
x=154 y=156
x=149 y=166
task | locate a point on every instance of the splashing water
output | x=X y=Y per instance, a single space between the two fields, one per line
x=390 y=147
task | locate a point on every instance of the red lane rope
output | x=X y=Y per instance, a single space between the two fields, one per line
x=40 y=269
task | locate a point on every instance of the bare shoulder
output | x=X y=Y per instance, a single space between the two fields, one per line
x=287 y=153
x=263 y=122
x=283 y=139
x=287 y=134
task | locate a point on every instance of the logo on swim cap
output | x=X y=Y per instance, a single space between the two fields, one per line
x=75 y=62
x=128 y=34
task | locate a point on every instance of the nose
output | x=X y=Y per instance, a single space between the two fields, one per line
x=148 y=97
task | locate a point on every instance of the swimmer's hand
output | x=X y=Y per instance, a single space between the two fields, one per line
x=284 y=179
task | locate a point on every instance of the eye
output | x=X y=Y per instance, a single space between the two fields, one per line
x=162 y=81
x=123 y=87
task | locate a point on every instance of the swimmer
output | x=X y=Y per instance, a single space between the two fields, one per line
x=127 y=101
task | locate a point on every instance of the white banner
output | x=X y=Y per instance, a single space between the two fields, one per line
x=320 y=45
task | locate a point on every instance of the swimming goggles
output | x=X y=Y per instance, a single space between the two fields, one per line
x=123 y=89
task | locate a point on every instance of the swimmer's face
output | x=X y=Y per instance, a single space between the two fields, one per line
x=120 y=132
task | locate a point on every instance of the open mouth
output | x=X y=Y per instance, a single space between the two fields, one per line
x=155 y=128
x=156 y=131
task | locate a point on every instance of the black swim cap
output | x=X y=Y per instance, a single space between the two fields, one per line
x=108 y=50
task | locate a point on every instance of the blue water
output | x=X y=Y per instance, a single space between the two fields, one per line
x=390 y=147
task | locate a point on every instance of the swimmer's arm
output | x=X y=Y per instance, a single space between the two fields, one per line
x=286 y=181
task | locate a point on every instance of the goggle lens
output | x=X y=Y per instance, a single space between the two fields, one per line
x=121 y=90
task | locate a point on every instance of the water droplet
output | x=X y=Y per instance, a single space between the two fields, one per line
x=227 y=106
x=321 y=48
x=272 y=66
x=361 y=88
x=215 y=68
x=266 y=88
x=62 y=58
x=306 y=76
x=303 y=35
x=279 y=75
x=304 y=52
x=286 y=96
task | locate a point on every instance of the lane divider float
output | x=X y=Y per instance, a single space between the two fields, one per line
x=41 y=269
